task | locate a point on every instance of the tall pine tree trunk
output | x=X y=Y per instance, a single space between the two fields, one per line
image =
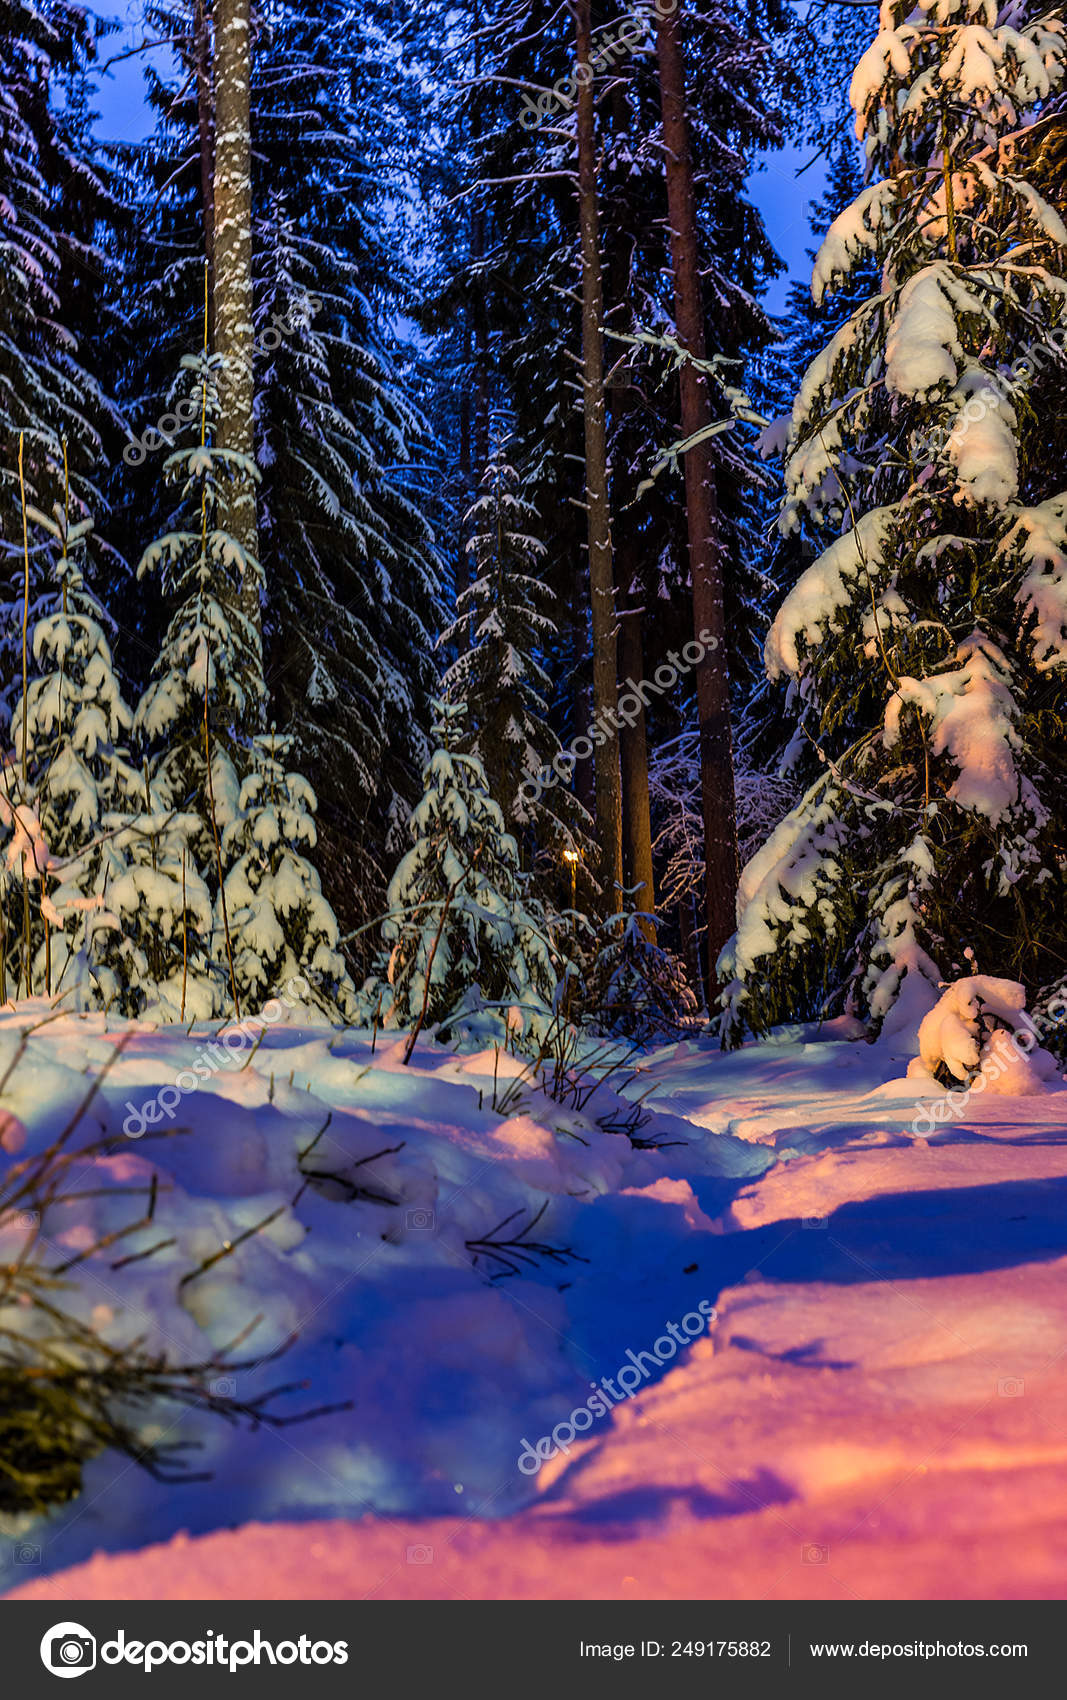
x=581 y=707
x=234 y=331
x=633 y=745
x=705 y=545
x=608 y=781
x=629 y=574
x=466 y=463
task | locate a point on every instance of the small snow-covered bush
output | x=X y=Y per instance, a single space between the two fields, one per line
x=625 y=984
x=979 y=1026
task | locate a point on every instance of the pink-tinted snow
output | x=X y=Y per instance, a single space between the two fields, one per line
x=881 y=1440
x=879 y=1408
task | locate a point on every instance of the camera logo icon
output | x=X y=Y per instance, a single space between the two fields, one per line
x=68 y=1649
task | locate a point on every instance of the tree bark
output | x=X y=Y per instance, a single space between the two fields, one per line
x=467 y=480
x=607 y=776
x=633 y=744
x=580 y=700
x=629 y=563
x=234 y=330
x=705 y=544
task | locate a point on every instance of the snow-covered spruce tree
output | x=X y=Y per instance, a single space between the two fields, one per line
x=281 y=926
x=87 y=844
x=350 y=567
x=500 y=631
x=205 y=694
x=68 y=734
x=459 y=930
x=211 y=651
x=154 y=958
x=926 y=647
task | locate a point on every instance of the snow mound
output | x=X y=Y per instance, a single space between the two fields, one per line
x=875 y=1412
x=979 y=1027
x=863 y=1441
x=440 y=1252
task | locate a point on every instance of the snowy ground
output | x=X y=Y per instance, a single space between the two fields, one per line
x=878 y=1409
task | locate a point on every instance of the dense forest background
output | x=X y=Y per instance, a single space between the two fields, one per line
x=396 y=528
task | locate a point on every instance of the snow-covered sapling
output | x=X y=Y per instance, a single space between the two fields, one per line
x=464 y=947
